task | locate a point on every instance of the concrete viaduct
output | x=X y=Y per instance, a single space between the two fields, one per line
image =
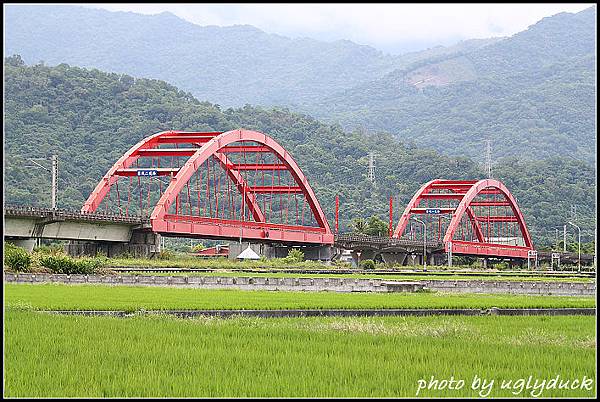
x=90 y=233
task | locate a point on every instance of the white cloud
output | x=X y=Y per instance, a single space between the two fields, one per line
x=383 y=26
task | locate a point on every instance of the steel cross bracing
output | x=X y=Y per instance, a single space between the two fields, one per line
x=227 y=185
x=470 y=217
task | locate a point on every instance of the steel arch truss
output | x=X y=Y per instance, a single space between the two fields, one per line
x=470 y=217
x=222 y=185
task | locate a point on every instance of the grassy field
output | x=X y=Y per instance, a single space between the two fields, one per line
x=72 y=356
x=131 y=298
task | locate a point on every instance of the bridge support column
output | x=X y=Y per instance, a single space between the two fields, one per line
x=413 y=259
x=27 y=244
x=141 y=245
x=394 y=258
x=361 y=255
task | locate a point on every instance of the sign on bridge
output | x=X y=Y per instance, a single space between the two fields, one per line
x=433 y=211
x=147 y=172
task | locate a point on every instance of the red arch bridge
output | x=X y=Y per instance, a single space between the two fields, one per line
x=242 y=185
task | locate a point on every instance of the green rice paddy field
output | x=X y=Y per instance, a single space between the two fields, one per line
x=131 y=298
x=162 y=356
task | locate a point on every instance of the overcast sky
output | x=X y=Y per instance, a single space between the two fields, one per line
x=393 y=28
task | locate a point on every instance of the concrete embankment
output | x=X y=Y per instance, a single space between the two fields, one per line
x=318 y=284
x=555 y=288
x=216 y=282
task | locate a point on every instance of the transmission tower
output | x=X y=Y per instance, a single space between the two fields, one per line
x=488 y=159
x=371 y=173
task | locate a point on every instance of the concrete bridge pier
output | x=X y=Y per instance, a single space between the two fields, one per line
x=142 y=245
x=361 y=255
x=27 y=244
x=394 y=258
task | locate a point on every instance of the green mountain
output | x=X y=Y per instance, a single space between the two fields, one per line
x=533 y=95
x=90 y=118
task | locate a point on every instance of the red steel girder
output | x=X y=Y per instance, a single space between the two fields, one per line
x=182 y=139
x=156 y=152
x=442 y=196
x=443 y=182
x=269 y=189
x=489 y=249
x=497 y=219
x=257 y=166
x=490 y=204
x=246 y=224
x=242 y=148
x=424 y=210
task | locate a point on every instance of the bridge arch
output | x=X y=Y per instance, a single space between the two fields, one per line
x=484 y=212
x=219 y=147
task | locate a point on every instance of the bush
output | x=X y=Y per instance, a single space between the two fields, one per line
x=198 y=247
x=166 y=254
x=63 y=264
x=294 y=256
x=53 y=249
x=367 y=264
x=16 y=258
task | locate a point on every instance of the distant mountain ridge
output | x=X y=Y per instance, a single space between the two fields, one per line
x=231 y=65
x=228 y=65
x=533 y=95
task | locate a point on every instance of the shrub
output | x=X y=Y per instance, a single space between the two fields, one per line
x=53 y=249
x=166 y=254
x=294 y=255
x=198 y=247
x=63 y=264
x=16 y=258
x=367 y=264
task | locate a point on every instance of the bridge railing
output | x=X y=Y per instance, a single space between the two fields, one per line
x=59 y=213
x=383 y=241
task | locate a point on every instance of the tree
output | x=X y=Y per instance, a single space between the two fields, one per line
x=377 y=227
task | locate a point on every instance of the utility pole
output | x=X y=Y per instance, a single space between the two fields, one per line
x=391 y=229
x=337 y=213
x=54 y=179
x=565 y=239
x=424 y=242
x=54 y=172
x=578 y=245
x=488 y=158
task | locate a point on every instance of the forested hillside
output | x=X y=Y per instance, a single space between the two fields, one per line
x=531 y=115
x=89 y=118
x=533 y=94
